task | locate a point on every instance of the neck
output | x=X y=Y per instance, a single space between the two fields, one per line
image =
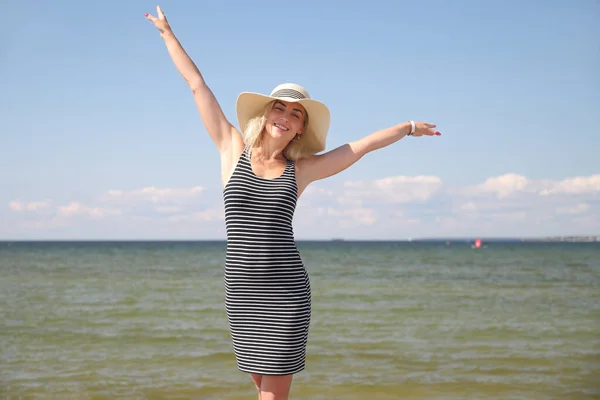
x=270 y=149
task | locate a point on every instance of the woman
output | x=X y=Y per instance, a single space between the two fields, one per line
x=263 y=172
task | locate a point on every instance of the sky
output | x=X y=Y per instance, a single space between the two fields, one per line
x=101 y=139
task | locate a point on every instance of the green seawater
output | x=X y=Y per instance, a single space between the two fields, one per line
x=146 y=320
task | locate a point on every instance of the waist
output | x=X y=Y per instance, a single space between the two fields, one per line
x=265 y=234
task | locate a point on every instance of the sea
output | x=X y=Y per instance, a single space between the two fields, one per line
x=390 y=320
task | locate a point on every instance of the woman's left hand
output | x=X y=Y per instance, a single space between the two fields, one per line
x=425 y=129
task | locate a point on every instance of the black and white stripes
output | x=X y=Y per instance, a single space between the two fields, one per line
x=267 y=287
x=288 y=93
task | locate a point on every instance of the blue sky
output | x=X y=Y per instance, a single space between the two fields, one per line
x=101 y=138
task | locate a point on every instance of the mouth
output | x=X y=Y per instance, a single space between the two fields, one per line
x=281 y=127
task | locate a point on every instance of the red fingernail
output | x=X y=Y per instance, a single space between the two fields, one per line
x=146 y=14
x=437 y=133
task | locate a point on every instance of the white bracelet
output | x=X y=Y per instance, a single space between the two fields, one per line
x=412 y=127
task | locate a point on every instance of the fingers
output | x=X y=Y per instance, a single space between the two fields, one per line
x=428 y=129
x=427 y=132
x=160 y=13
x=150 y=17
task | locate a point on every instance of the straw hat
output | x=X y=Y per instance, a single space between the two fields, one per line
x=250 y=104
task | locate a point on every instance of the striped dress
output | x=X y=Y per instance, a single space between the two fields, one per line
x=267 y=289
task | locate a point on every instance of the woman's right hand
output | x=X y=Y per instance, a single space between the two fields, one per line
x=160 y=22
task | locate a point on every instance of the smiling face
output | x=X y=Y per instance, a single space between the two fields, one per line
x=285 y=120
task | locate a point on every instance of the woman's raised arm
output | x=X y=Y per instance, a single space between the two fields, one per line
x=219 y=128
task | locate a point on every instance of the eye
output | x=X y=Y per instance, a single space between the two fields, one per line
x=279 y=108
x=296 y=116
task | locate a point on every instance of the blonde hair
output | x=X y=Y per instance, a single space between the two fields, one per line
x=253 y=135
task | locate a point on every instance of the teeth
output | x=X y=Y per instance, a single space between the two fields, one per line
x=283 y=128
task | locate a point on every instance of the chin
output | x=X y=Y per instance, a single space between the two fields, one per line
x=278 y=134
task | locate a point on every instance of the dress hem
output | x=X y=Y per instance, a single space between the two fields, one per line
x=257 y=372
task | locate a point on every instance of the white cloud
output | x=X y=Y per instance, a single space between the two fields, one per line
x=390 y=207
x=364 y=203
x=361 y=215
x=506 y=205
x=154 y=194
x=573 y=209
x=317 y=190
x=469 y=207
x=46 y=217
x=347 y=201
x=394 y=189
x=167 y=209
x=576 y=185
x=41 y=224
x=448 y=222
x=141 y=218
x=149 y=205
x=74 y=209
x=509 y=216
x=31 y=206
x=479 y=205
x=516 y=200
x=211 y=214
x=507 y=185
x=500 y=186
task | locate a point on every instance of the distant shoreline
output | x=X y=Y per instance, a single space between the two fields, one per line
x=548 y=239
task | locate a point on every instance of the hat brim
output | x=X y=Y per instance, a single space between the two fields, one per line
x=250 y=105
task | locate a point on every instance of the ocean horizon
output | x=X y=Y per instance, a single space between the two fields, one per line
x=531 y=239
